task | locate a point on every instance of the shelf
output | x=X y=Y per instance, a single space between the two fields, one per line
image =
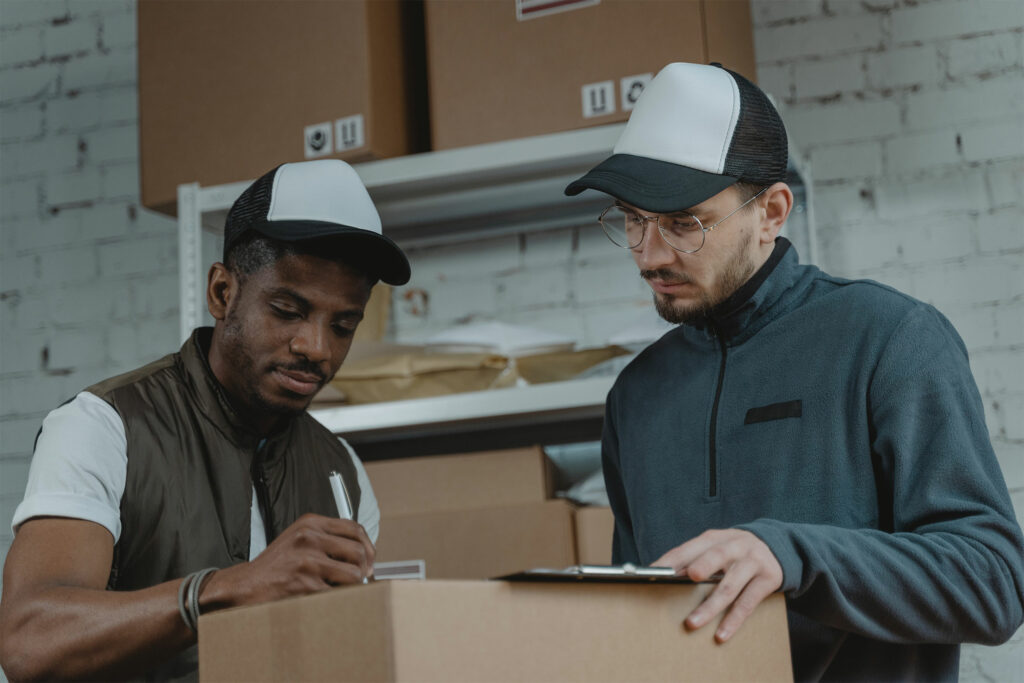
x=556 y=402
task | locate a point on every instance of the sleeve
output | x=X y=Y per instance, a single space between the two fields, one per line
x=368 y=513
x=79 y=466
x=948 y=566
x=623 y=544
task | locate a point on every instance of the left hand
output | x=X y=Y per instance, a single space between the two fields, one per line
x=750 y=574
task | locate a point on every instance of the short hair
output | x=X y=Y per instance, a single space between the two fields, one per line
x=254 y=251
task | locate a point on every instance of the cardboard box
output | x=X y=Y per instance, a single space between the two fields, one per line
x=490 y=631
x=483 y=542
x=228 y=89
x=509 y=69
x=454 y=482
x=594 y=529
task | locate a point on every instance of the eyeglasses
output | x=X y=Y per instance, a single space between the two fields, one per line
x=682 y=231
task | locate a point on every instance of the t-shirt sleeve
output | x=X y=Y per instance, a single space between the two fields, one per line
x=368 y=513
x=79 y=466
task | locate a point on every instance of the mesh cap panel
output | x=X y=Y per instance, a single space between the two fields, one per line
x=251 y=207
x=759 y=151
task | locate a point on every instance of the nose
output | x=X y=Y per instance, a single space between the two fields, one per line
x=653 y=251
x=311 y=341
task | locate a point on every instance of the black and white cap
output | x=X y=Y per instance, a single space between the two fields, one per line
x=696 y=130
x=313 y=200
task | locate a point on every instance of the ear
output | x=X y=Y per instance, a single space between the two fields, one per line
x=776 y=203
x=221 y=290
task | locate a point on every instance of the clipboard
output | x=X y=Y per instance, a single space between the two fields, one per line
x=596 y=573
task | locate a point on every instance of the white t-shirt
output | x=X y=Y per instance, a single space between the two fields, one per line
x=80 y=466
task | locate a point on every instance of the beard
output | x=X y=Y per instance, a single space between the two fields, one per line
x=738 y=270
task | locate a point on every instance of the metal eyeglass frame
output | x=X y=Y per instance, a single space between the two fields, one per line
x=647 y=219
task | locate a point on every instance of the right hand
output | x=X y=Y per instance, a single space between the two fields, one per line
x=313 y=554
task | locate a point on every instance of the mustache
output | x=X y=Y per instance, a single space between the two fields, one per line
x=305 y=366
x=666 y=275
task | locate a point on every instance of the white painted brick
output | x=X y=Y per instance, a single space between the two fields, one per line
x=859 y=248
x=17 y=435
x=565 y=321
x=119 y=105
x=26 y=82
x=156 y=339
x=72 y=38
x=977 y=281
x=593 y=244
x=856 y=160
x=608 y=280
x=8 y=504
x=547 y=249
x=777 y=81
x=20 y=198
x=477 y=258
x=27 y=12
x=818 y=38
x=53 y=231
x=976 y=326
x=454 y=300
x=829 y=77
x=105 y=221
x=157 y=297
x=914 y=152
x=21 y=123
x=73 y=113
x=1005 y=181
x=59 y=153
x=843 y=204
x=1011 y=461
x=75 y=264
x=983 y=54
x=842 y=121
x=534 y=288
x=1011 y=412
x=996 y=99
x=1001 y=230
x=18 y=47
x=956 y=192
x=71 y=188
x=121 y=181
x=120 y=143
x=123 y=343
x=769 y=11
x=100 y=70
x=13 y=476
x=151 y=222
x=997 y=141
x=31 y=312
x=1009 y=326
x=934 y=239
x=20 y=271
x=904 y=67
x=119 y=30
x=141 y=256
x=952 y=19
x=88 y=303
x=21 y=353
x=73 y=348
x=34 y=394
x=102 y=8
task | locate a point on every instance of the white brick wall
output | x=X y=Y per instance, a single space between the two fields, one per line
x=909 y=112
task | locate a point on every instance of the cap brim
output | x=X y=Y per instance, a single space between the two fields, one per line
x=650 y=184
x=377 y=253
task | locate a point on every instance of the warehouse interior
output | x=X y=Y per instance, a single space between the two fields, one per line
x=122 y=149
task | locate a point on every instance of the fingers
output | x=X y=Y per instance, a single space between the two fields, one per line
x=680 y=557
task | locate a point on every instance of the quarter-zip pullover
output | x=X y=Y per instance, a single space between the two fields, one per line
x=839 y=422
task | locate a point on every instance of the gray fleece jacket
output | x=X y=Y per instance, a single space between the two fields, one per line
x=839 y=422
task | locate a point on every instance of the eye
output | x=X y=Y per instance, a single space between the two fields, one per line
x=343 y=330
x=284 y=313
x=680 y=225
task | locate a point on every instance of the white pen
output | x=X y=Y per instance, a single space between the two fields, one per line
x=341 y=500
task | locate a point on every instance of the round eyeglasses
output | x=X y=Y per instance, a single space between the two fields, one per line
x=681 y=230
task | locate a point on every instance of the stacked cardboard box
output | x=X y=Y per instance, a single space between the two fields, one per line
x=594 y=528
x=474 y=515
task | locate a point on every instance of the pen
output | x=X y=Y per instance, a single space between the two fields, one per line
x=341 y=500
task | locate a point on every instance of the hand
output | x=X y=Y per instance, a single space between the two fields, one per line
x=311 y=555
x=750 y=574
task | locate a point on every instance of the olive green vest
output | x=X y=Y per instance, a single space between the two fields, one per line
x=191 y=470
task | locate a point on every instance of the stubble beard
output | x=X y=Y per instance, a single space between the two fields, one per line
x=739 y=269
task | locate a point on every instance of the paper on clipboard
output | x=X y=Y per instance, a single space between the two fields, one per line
x=593 y=573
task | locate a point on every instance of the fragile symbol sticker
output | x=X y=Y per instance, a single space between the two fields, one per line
x=349 y=133
x=317 y=140
x=598 y=99
x=631 y=87
x=531 y=9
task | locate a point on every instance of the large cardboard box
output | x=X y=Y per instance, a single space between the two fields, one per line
x=481 y=543
x=468 y=480
x=515 y=68
x=228 y=89
x=490 y=631
x=594 y=529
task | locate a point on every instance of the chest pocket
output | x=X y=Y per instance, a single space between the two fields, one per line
x=774 y=411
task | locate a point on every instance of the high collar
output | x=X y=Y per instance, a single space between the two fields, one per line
x=209 y=393
x=744 y=311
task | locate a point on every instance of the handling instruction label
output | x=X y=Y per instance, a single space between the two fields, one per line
x=317 y=140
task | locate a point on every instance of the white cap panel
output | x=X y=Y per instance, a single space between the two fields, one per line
x=326 y=190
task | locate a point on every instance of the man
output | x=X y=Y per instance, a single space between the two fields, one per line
x=796 y=431
x=206 y=458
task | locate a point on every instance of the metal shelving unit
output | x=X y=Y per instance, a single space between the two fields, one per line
x=459 y=195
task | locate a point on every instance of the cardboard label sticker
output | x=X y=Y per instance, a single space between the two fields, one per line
x=598 y=99
x=531 y=9
x=631 y=87
x=349 y=133
x=317 y=140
